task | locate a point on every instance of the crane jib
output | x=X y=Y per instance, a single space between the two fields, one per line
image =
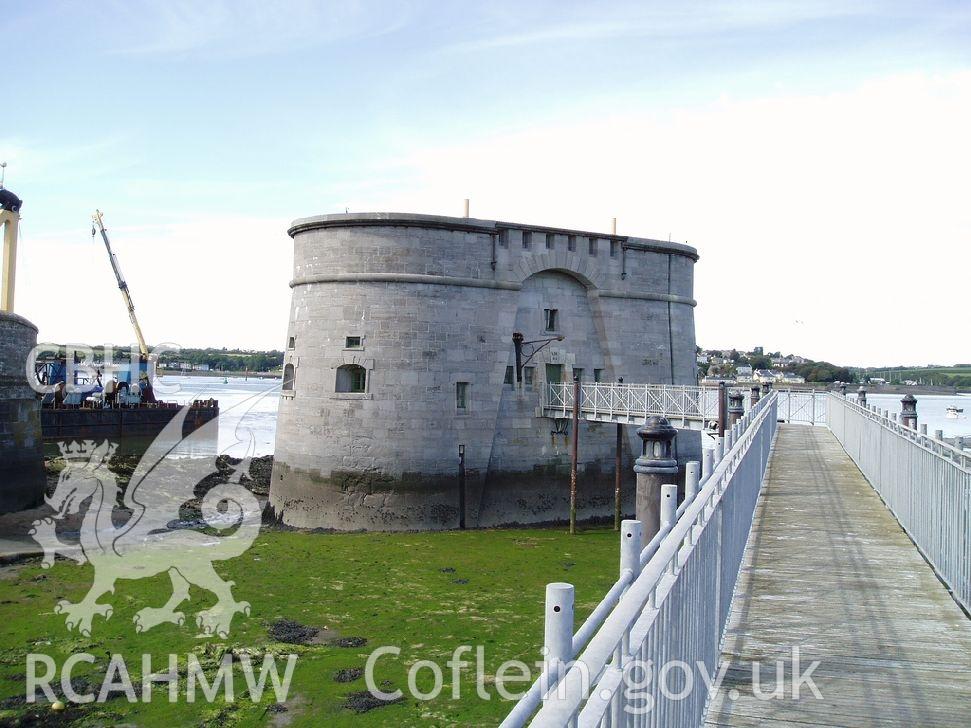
x=122 y=284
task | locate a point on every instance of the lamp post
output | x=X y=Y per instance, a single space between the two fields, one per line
x=908 y=411
x=655 y=468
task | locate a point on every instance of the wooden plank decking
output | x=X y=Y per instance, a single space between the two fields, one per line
x=830 y=571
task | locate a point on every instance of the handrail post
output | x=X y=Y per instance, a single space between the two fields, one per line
x=631 y=536
x=692 y=478
x=558 y=631
x=669 y=505
x=719 y=451
x=707 y=463
x=669 y=512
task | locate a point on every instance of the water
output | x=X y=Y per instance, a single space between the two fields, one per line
x=250 y=407
x=246 y=407
x=930 y=410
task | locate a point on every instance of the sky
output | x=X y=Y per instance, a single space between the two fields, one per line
x=817 y=154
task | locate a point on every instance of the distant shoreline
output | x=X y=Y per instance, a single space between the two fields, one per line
x=195 y=373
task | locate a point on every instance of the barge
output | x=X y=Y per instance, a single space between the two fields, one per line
x=67 y=422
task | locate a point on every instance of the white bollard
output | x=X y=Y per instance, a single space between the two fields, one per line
x=558 y=636
x=938 y=434
x=669 y=505
x=692 y=477
x=719 y=451
x=729 y=441
x=923 y=428
x=631 y=533
x=707 y=463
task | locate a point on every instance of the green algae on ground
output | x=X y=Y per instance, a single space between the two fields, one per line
x=423 y=593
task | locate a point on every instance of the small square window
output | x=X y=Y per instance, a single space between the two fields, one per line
x=571 y=243
x=578 y=373
x=550 y=318
x=593 y=246
x=292 y=342
x=503 y=238
x=613 y=248
x=462 y=395
x=527 y=239
x=508 y=377
x=549 y=241
x=352 y=342
x=598 y=375
x=528 y=375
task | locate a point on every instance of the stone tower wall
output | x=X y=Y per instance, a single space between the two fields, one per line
x=435 y=302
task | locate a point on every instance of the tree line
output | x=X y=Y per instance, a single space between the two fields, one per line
x=225 y=360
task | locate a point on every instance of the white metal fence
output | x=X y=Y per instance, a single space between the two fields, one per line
x=634 y=401
x=802 y=407
x=925 y=483
x=671 y=601
x=679 y=403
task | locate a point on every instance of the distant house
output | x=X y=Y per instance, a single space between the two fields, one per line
x=743 y=372
x=877 y=380
x=701 y=358
x=201 y=367
x=764 y=375
x=788 y=378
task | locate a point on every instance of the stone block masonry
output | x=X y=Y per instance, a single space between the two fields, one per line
x=22 y=476
x=399 y=350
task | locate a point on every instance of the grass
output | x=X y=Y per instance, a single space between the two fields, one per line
x=425 y=593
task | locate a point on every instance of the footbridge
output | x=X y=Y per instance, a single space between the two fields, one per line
x=687 y=407
x=809 y=576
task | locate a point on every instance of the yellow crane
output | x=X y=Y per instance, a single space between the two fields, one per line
x=99 y=226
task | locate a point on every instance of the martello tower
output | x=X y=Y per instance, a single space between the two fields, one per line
x=400 y=352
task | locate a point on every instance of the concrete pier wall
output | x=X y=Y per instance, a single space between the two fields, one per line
x=426 y=306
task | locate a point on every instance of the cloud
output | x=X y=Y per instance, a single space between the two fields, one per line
x=563 y=23
x=201 y=281
x=235 y=28
x=847 y=211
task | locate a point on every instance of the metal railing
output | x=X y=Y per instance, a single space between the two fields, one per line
x=671 y=601
x=925 y=482
x=802 y=407
x=636 y=402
